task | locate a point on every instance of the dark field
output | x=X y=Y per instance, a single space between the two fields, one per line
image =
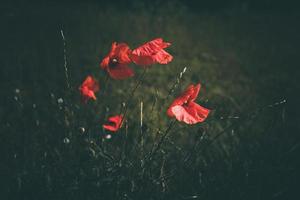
x=246 y=57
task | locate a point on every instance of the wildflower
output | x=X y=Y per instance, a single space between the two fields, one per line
x=115 y=123
x=185 y=109
x=116 y=62
x=88 y=88
x=151 y=52
x=60 y=100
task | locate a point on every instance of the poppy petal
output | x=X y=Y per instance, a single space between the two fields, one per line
x=120 y=72
x=185 y=97
x=105 y=62
x=142 y=60
x=181 y=114
x=88 y=88
x=185 y=109
x=151 y=52
x=157 y=44
x=88 y=93
x=163 y=57
x=116 y=123
x=116 y=118
x=91 y=83
x=199 y=112
x=195 y=92
x=122 y=52
x=110 y=128
x=113 y=49
x=117 y=60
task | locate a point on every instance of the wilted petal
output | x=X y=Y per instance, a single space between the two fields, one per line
x=181 y=114
x=185 y=109
x=163 y=57
x=88 y=88
x=115 y=123
x=120 y=72
x=184 y=97
x=105 y=62
x=157 y=44
x=194 y=92
x=143 y=60
x=151 y=52
x=110 y=128
x=88 y=93
x=199 y=112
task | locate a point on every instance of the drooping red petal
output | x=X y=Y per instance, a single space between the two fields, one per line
x=184 y=97
x=191 y=114
x=120 y=72
x=157 y=44
x=143 y=60
x=151 y=52
x=185 y=109
x=105 y=62
x=199 y=112
x=113 y=47
x=88 y=88
x=195 y=92
x=88 y=92
x=110 y=128
x=163 y=57
x=115 y=123
x=89 y=82
x=181 y=114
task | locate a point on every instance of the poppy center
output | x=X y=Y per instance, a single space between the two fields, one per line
x=113 y=62
x=111 y=123
x=185 y=103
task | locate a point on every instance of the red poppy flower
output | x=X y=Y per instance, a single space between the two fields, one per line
x=151 y=52
x=88 y=88
x=115 y=123
x=185 y=109
x=116 y=62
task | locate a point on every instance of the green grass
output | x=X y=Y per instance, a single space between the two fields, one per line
x=244 y=61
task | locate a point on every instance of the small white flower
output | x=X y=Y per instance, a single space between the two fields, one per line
x=60 y=100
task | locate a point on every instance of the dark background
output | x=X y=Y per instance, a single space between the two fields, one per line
x=244 y=53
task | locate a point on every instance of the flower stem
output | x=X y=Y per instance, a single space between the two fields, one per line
x=141 y=78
